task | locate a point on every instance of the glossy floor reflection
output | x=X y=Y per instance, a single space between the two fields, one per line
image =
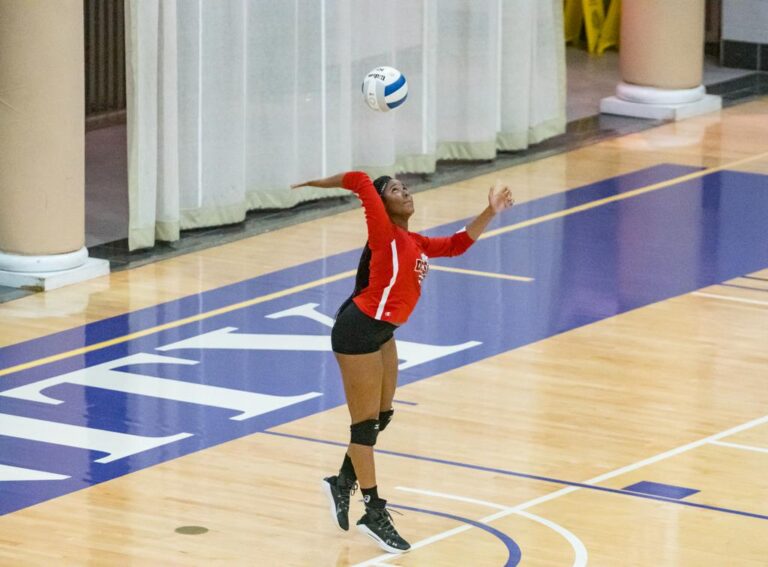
x=595 y=340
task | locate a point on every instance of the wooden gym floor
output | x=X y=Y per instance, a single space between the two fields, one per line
x=587 y=385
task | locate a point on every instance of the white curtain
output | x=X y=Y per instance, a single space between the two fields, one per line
x=230 y=101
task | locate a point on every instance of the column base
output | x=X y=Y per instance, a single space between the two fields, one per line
x=45 y=281
x=615 y=105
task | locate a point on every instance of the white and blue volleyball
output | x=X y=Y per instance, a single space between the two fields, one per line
x=385 y=88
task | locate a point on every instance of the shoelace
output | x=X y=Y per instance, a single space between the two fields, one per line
x=344 y=496
x=386 y=522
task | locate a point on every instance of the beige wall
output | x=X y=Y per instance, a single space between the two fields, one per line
x=41 y=126
x=662 y=43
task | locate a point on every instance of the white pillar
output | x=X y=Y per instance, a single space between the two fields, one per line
x=42 y=145
x=661 y=57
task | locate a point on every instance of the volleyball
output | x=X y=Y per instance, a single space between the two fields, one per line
x=384 y=88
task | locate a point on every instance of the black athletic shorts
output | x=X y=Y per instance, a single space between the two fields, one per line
x=356 y=333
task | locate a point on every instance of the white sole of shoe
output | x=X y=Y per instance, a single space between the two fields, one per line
x=383 y=545
x=327 y=492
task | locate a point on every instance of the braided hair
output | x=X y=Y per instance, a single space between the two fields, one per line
x=364 y=265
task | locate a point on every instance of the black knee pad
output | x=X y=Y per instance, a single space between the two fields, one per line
x=384 y=418
x=365 y=432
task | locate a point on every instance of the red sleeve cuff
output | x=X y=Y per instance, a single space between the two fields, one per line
x=466 y=238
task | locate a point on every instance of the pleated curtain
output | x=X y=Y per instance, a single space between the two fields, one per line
x=231 y=101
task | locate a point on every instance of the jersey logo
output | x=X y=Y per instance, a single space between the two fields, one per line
x=422 y=267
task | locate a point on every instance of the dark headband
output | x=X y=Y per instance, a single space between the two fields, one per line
x=380 y=183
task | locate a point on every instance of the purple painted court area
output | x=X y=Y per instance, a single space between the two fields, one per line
x=659 y=489
x=92 y=417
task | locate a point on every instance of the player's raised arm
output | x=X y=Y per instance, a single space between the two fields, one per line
x=499 y=199
x=325 y=183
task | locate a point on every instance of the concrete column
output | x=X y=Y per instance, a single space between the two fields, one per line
x=42 y=145
x=661 y=56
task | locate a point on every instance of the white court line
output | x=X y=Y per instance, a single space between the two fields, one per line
x=678 y=450
x=432 y=539
x=729 y=298
x=580 y=552
x=569 y=489
x=480 y=273
x=740 y=446
x=579 y=549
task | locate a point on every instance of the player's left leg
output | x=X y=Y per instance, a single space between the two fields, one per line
x=389 y=382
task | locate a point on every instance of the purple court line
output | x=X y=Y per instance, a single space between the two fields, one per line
x=755 y=278
x=534 y=477
x=404 y=402
x=744 y=287
x=512 y=548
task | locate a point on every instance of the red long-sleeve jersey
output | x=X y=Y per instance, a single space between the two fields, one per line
x=399 y=259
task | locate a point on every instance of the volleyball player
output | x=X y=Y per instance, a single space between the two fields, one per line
x=392 y=267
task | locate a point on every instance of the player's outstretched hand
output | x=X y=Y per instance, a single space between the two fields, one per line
x=500 y=197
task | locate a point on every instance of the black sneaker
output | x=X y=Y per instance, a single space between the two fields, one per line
x=377 y=523
x=338 y=497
